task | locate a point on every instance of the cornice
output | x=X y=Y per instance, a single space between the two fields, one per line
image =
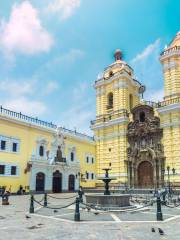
x=169 y=108
x=173 y=124
x=113 y=122
x=102 y=81
x=27 y=124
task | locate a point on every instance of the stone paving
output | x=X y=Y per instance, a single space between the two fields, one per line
x=17 y=223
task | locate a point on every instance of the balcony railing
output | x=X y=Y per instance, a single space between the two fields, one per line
x=163 y=103
x=75 y=133
x=24 y=118
x=168 y=102
x=170 y=50
x=113 y=115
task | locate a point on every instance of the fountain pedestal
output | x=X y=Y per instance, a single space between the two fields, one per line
x=114 y=201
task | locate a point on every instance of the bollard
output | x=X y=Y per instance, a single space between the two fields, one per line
x=159 y=212
x=5 y=199
x=77 y=213
x=45 y=200
x=31 y=209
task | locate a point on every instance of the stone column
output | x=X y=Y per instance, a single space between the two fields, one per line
x=32 y=186
x=65 y=181
x=154 y=170
x=48 y=179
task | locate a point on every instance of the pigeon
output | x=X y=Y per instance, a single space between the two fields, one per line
x=152 y=229
x=161 y=232
x=88 y=209
x=96 y=213
x=55 y=211
x=27 y=217
x=40 y=224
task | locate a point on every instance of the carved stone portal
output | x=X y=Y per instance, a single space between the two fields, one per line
x=145 y=161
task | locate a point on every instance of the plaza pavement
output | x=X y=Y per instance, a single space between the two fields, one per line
x=47 y=224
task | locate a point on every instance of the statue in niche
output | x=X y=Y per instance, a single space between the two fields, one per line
x=59 y=157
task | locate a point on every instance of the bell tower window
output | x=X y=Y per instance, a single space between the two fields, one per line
x=142 y=117
x=130 y=101
x=110 y=100
x=72 y=156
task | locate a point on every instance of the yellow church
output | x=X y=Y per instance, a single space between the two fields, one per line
x=138 y=140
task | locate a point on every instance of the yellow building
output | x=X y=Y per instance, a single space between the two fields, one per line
x=169 y=109
x=40 y=156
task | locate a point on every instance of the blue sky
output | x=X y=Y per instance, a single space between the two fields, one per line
x=51 y=52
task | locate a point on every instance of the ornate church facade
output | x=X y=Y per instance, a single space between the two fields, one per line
x=138 y=140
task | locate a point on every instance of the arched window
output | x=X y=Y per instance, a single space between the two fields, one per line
x=72 y=156
x=110 y=100
x=110 y=73
x=130 y=101
x=41 y=151
x=142 y=116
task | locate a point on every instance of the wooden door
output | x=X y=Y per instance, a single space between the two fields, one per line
x=145 y=175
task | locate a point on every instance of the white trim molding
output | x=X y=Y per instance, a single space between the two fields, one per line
x=169 y=108
x=113 y=122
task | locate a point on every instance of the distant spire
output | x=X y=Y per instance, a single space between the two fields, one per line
x=118 y=55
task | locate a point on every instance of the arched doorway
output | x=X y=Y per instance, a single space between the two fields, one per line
x=40 y=182
x=57 y=182
x=145 y=174
x=71 y=182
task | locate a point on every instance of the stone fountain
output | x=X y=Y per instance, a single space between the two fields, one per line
x=108 y=200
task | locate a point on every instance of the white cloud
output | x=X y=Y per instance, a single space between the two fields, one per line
x=65 y=8
x=146 y=52
x=23 y=32
x=50 y=87
x=26 y=106
x=155 y=95
x=22 y=96
x=81 y=110
x=62 y=61
x=15 y=88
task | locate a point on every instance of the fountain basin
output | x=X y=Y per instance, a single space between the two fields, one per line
x=108 y=201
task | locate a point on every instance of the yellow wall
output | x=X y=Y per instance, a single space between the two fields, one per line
x=28 y=135
x=170 y=110
x=83 y=149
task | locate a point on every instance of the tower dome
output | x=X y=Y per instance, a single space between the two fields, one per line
x=118 y=55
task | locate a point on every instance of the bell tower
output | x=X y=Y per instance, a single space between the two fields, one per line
x=170 y=59
x=169 y=109
x=117 y=92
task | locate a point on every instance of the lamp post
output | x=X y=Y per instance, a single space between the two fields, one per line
x=162 y=173
x=168 y=169
x=81 y=178
x=173 y=171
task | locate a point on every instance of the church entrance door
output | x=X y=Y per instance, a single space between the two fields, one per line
x=40 y=182
x=145 y=175
x=71 y=182
x=57 y=182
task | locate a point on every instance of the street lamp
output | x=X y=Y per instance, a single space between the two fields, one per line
x=81 y=178
x=168 y=169
x=163 y=173
x=173 y=171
